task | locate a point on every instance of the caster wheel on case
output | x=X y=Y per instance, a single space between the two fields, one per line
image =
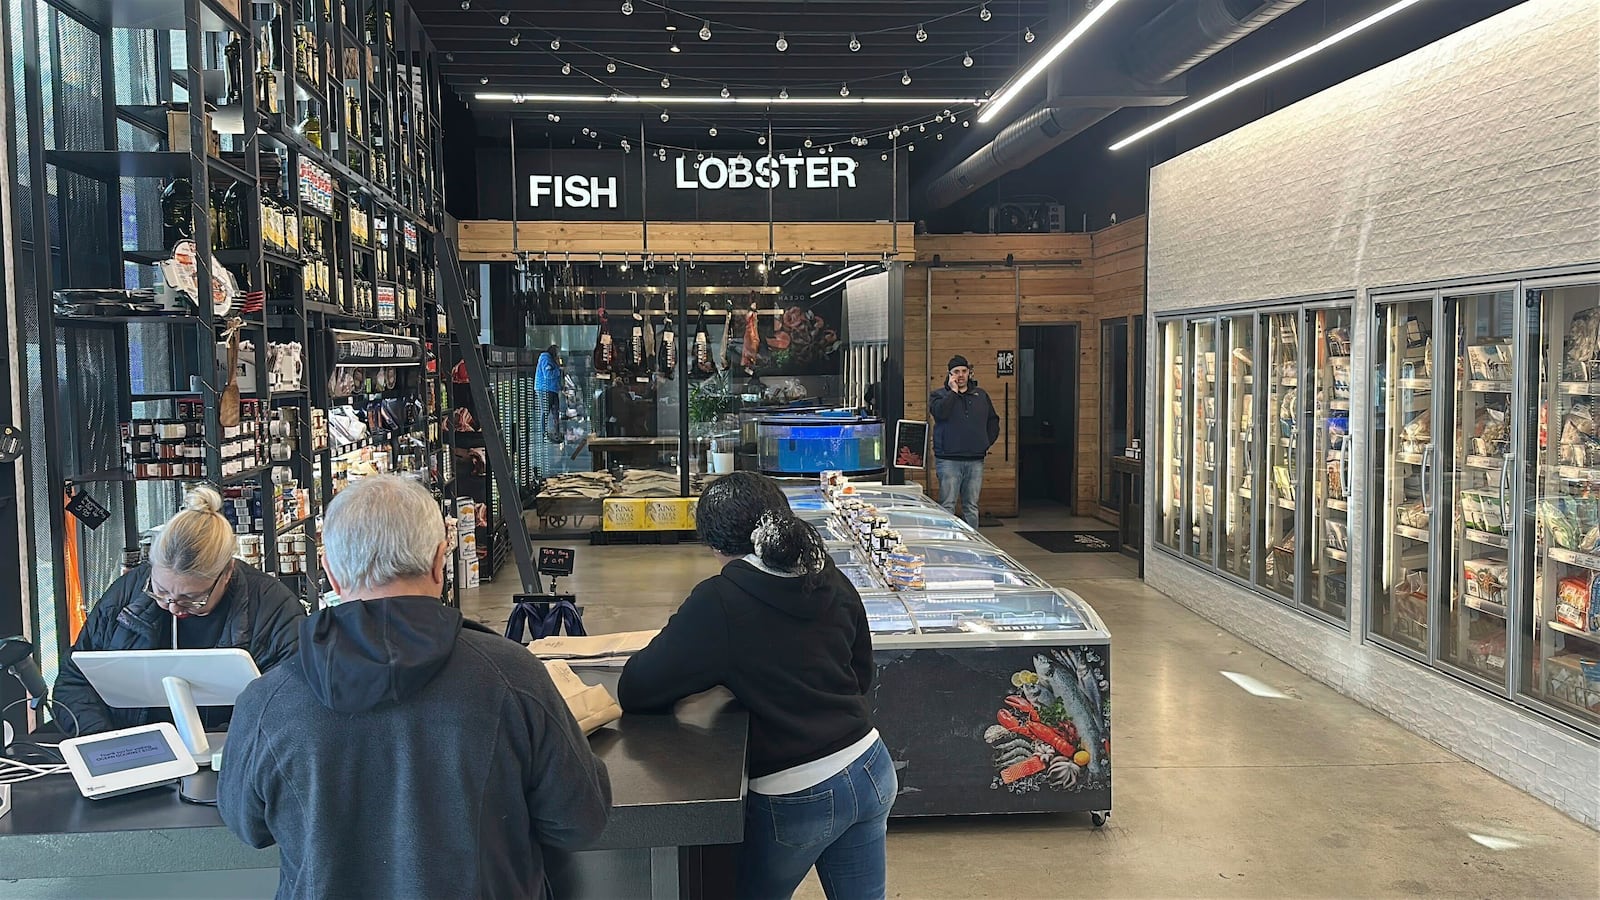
x=1099 y=818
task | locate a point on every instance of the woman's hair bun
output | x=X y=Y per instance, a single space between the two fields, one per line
x=203 y=499
x=785 y=542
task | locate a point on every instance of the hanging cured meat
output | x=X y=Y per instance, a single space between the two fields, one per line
x=752 y=341
x=637 y=345
x=667 y=351
x=727 y=332
x=703 y=366
x=605 y=352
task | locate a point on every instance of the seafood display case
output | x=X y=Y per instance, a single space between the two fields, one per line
x=1020 y=670
x=795 y=444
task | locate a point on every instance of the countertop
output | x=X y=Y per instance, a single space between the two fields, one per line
x=676 y=779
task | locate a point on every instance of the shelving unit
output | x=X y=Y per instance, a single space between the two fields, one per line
x=107 y=226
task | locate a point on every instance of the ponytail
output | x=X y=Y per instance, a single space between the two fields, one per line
x=786 y=544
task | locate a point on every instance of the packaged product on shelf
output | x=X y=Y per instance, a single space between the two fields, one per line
x=1582 y=347
x=1491 y=433
x=1580 y=436
x=1490 y=361
x=1486 y=579
x=1489 y=651
x=1481 y=510
x=1574 y=679
x=1412 y=514
x=1417 y=433
x=1573 y=597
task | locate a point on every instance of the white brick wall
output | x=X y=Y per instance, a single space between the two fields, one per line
x=1476 y=156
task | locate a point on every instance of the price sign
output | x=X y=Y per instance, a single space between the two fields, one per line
x=88 y=510
x=555 y=560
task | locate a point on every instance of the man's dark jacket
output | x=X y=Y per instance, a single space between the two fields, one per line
x=965 y=425
x=407 y=752
x=262 y=617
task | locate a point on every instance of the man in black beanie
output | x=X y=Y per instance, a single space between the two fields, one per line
x=965 y=426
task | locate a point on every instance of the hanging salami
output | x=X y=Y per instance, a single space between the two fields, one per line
x=637 y=344
x=702 y=365
x=752 y=341
x=605 y=352
x=667 y=351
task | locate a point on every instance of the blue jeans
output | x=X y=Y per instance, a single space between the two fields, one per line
x=960 y=479
x=837 y=826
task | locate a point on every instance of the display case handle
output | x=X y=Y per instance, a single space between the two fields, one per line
x=1344 y=465
x=1505 y=487
x=1427 y=491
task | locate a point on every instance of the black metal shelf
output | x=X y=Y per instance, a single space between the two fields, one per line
x=92 y=321
x=154 y=15
x=246 y=476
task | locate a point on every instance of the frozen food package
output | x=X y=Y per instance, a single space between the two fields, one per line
x=1572 y=603
x=1560 y=519
x=1412 y=514
x=1580 y=436
x=1582 y=346
x=1486 y=579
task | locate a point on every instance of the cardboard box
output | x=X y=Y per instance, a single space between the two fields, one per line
x=661 y=514
x=178 y=133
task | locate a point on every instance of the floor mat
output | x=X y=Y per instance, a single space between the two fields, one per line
x=1107 y=541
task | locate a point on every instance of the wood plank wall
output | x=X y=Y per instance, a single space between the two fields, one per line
x=977 y=307
x=491 y=241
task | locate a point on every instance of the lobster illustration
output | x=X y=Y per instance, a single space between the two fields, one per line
x=1028 y=725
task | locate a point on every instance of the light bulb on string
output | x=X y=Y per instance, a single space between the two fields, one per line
x=939 y=136
x=1028 y=35
x=662 y=154
x=664 y=116
x=725 y=93
x=566 y=68
x=783 y=43
x=712 y=131
x=783 y=93
x=555 y=117
x=967 y=60
x=705 y=31
x=922 y=34
x=699 y=156
x=808 y=142
x=905 y=77
x=884 y=157
x=910 y=147
x=466 y=4
x=895 y=133
x=450 y=57
x=483 y=80
x=611 y=68
x=627 y=7
x=984 y=14
x=674 y=48
x=555 y=43
x=762 y=140
x=516 y=39
x=666 y=82
x=844 y=90
x=923 y=128
x=966 y=123
x=505 y=19
x=855 y=44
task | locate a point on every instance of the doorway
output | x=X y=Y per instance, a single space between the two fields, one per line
x=1047 y=388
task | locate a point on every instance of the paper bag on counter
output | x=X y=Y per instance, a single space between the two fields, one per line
x=592 y=647
x=592 y=705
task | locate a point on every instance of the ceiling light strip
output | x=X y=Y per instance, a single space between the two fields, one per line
x=1037 y=67
x=1273 y=69
x=713 y=100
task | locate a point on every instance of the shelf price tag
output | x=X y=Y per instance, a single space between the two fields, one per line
x=88 y=510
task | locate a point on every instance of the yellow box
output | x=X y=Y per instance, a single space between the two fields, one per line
x=658 y=514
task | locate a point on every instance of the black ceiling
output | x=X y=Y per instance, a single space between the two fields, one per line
x=740 y=55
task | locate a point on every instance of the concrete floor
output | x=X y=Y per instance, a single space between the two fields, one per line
x=1217 y=792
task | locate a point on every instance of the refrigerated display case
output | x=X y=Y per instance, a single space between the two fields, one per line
x=1401 y=454
x=1239 y=461
x=1170 y=436
x=1477 y=482
x=1279 y=562
x=1201 y=494
x=1328 y=581
x=1559 y=630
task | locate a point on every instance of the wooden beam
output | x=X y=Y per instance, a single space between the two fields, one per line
x=493 y=240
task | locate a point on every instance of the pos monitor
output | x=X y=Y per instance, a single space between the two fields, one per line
x=182 y=680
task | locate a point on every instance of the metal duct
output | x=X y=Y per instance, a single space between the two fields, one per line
x=1018 y=144
x=1186 y=34
x=1192 y=31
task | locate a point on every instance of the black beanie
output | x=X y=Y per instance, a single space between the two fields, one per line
x=957 y=362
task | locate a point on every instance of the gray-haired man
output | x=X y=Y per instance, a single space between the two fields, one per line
x=406 y=751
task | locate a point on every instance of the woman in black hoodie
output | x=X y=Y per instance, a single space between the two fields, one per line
x=783 y=629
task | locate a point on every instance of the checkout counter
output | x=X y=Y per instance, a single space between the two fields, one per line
x=677 y=783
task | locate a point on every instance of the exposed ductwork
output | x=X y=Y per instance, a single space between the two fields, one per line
x=1180 y=38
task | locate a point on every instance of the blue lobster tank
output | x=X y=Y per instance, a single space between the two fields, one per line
x=821 y=441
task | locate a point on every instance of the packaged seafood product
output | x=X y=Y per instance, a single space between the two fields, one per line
x=1582 y=346
x=1580 y=436
x=1572 y=603
x=1412 y=514
x=1418 y=432
x=1486 y=579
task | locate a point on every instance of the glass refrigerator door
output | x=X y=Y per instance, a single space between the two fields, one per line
x=1560 y=630
x=1239 y=477
x=1477 y=486
x=1277 y=561
x=1403 y=353
x=1169 y=430
x=1328 y=588
x=1203 y=447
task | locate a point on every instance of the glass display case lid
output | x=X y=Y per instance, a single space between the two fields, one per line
x=988 y=614
x=860 y=575
x=967 y=553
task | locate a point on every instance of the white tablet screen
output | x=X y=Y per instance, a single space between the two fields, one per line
x=130 y=751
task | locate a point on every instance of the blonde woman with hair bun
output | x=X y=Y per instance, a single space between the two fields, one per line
x=192 y=594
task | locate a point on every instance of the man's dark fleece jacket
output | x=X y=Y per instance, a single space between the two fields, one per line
x=799 y=660
x=965 y=424
x=407 y=752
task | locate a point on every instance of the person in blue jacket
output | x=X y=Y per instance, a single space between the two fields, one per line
x=965 y=426
x=547 y=381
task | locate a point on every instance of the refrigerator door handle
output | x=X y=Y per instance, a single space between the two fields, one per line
x=1344 y=463
x=1427 y=491
x=1505 y=488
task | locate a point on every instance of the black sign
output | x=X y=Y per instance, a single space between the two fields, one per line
x=88 y=510
x=1005 y=363
x=601 y=186
x=555 y=560
x=910 y=444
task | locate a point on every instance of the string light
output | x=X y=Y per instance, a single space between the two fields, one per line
x=483 y=80
x=627 y=7
x=984 y=14
x=664 y=116
x=762 y=140
x=516 y=39
x=967 y=60
x=611 y=68
x=966 y=123
x=674 y=47
x=705 y=31
x=808 y=143
x=783 y=42
x=555 y=43
x=905 y=78
x=884 y=157
x=844 y=90
x=466 y=4
x=910 y=148
x=698 y=157
x=939 y=136
x=450 y=57
x=566 y=68
x=712 y=131
x=1028 y=35
x=922 y=34
x=505 y=19
x=666 y=82
x=783 y=93
x=855 y=45
x=725 y=93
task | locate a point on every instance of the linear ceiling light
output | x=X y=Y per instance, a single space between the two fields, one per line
x=1276 y=67
x=714 y=100
x=1037 y=67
